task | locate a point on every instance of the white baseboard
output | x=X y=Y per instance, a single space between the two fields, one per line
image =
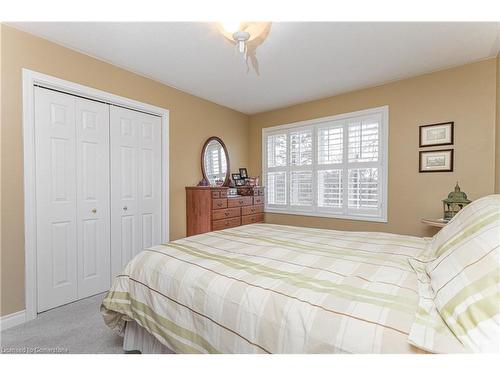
x=12 y=320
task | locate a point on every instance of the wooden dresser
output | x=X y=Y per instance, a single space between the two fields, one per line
x=209 y=209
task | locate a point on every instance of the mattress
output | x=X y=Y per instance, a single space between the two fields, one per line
x=265 y=288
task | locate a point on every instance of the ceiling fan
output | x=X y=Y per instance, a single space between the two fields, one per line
x=246 y=36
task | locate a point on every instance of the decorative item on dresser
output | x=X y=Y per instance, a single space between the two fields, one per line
x=210 y=208
x=250 y=190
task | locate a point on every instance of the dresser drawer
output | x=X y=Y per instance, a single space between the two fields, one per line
x=216 y=194
x=219 y=203
x=225 y=213
x=240 y=201
x=249 y=219
x=226 y=223
x=258 y=200
x=250 y=210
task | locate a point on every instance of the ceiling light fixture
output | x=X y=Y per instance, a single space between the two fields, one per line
x=242 y=34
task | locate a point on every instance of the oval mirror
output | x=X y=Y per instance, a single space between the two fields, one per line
x=215 y=162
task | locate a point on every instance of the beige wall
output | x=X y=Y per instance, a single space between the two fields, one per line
x=497 y=131
x=192 y=120
x=465 y=95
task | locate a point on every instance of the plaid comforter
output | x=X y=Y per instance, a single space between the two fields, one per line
x=266 y=288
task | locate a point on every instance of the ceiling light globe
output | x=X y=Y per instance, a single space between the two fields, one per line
x=231 y=26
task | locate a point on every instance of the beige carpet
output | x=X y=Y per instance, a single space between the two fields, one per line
x=74 y=328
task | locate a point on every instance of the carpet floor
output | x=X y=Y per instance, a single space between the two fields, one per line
x=73 y=328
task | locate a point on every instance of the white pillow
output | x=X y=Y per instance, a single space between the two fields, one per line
x=465 y=276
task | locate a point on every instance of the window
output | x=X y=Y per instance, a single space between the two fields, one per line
x=334 y=166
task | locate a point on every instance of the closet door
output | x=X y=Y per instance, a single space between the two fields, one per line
x=135 y=184
x=93 y=190
x=55 y=198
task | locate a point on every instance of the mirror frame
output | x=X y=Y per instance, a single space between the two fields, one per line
x=226 y=180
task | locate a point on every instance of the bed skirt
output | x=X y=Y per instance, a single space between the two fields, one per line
x=137 y=338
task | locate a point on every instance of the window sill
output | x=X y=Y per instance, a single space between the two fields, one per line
x=378 y=219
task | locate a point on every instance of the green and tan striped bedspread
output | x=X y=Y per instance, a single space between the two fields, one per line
x=266 y=288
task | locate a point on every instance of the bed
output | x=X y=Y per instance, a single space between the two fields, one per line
x=265 y=288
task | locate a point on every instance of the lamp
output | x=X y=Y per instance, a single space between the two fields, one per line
x=242 y=33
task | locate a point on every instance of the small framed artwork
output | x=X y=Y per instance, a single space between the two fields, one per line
x=436 y=134
x=243 y=173
x=236 y=176
x=435 y=161
x=239 y=182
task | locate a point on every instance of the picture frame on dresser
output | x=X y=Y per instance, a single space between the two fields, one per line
x=243 y=173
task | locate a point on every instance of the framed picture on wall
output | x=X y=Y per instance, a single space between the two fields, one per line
x=436 y=134
x=435 y=161
x=236 y=176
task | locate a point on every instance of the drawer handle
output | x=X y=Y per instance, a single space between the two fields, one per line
x=219 y=204
x=241 y=202
x=227 y=224
x=226 y=213
x=252 y=210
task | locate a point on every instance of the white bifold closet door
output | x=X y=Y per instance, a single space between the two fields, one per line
x=72 y=197
x=135 y=184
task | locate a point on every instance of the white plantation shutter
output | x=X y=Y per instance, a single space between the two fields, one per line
x=333 y=167
x=276 y=150
x=276 y=188
x=363 y=140
x=330 y=157
x=301 y=169
x=276 y=176
x=301 y=188
x=301 y=147
x=363 y=188
x=330 y=188
x=363 y=166
x=331 y=144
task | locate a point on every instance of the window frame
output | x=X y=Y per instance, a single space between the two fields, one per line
x=316 y=124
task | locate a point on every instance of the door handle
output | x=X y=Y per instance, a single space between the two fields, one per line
x=125 y=208
x=94 y=210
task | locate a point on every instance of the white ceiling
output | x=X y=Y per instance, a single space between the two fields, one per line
x=299 y=61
